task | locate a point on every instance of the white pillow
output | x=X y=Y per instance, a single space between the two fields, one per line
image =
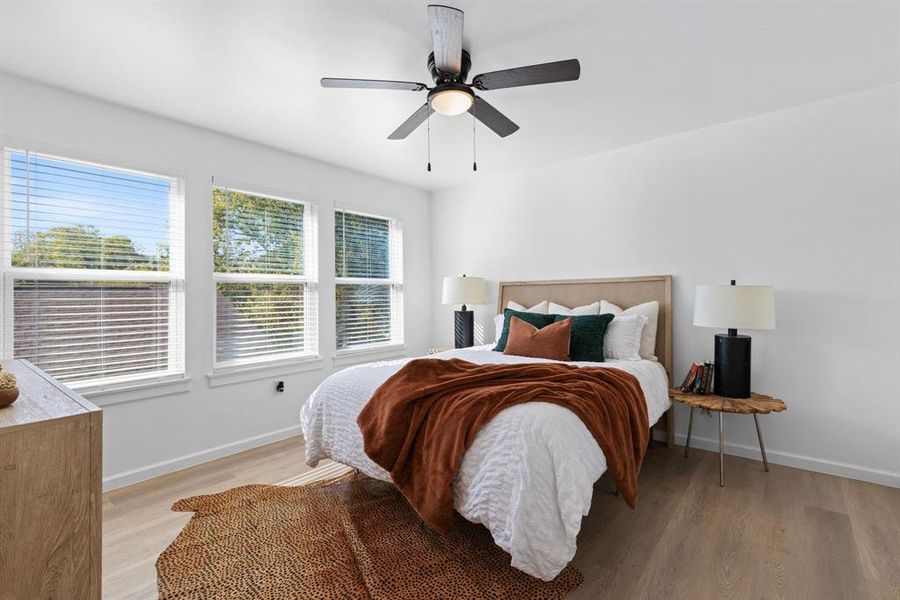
x=649 y=310
x=540 y=307
x=587 y=309
x=622 y=340
x=498 y=327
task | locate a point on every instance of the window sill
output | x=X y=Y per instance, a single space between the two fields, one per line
x=134 y=391
x=254 y=372
x=355 y=356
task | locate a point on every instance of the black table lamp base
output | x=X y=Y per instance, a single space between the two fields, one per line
x=463 y=328
x=731 y=373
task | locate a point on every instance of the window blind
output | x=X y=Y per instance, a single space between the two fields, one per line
x=264 y=252
x=92 y=269
x=93 y=330
x=368 y=290
x=362 y=246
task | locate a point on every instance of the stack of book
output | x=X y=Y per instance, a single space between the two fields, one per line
x=699 y=379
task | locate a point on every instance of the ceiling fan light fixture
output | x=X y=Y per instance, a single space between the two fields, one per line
x=451 y=101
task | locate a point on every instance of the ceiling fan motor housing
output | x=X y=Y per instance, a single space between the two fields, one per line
x=440 y=77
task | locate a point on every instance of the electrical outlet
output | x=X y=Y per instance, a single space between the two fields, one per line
x=279 y=387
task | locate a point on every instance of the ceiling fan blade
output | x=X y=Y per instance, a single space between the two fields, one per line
x=563 y=70
x=373 y=84
x=409 y=125
x=493 y=118
x=446 y=25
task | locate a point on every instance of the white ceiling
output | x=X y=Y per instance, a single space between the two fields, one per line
x=649 y=69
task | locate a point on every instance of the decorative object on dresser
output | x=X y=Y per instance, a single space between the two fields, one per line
x=733 y=307
x=9 y=390
x=463 y=290
x=50 y=482
x=755 y=404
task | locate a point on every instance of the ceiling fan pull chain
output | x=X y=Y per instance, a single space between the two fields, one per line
x=428 y=143
x=474 y=153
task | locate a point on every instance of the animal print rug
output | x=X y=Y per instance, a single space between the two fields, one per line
x=348 y=537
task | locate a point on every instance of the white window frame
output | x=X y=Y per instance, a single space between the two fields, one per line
x=174 y=276
x=395 y=281
x=309 y=280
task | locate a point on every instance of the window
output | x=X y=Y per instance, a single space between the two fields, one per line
x=369 y=280
x=92 y=266
x=264 y=254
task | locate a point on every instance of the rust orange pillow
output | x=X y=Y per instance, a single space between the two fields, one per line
x=551 y=341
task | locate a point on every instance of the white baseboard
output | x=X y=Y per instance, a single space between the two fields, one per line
x=189 y=460
x=795 y=460
x=782 y=458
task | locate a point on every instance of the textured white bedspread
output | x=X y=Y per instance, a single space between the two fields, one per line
x=529 y=474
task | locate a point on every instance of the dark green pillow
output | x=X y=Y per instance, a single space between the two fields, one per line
x=536 y=319
x=586 y=342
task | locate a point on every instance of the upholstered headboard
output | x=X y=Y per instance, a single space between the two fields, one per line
x=622 y=291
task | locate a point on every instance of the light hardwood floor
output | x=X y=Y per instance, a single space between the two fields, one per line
x=785 y=534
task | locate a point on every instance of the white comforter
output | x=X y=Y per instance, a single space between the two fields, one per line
x=529 y=474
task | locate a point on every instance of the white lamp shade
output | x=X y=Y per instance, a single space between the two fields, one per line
x=735 y=306
x=463 y=290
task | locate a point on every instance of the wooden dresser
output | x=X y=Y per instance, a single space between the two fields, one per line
x=50 y=490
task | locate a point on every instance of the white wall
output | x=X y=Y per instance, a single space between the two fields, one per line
x=806 y=199
x=146 y=437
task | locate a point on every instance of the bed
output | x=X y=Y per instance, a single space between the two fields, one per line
x=529 y=474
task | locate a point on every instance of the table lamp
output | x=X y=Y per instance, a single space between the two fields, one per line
x=463 y=290
x=733 y=307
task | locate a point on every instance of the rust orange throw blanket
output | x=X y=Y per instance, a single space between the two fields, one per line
x=420 y=422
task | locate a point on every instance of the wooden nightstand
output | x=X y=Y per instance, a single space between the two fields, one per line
x=754 y=405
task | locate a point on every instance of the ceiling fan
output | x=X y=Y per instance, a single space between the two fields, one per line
x=449 y=66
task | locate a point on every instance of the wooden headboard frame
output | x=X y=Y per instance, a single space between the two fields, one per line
x=622 y=291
